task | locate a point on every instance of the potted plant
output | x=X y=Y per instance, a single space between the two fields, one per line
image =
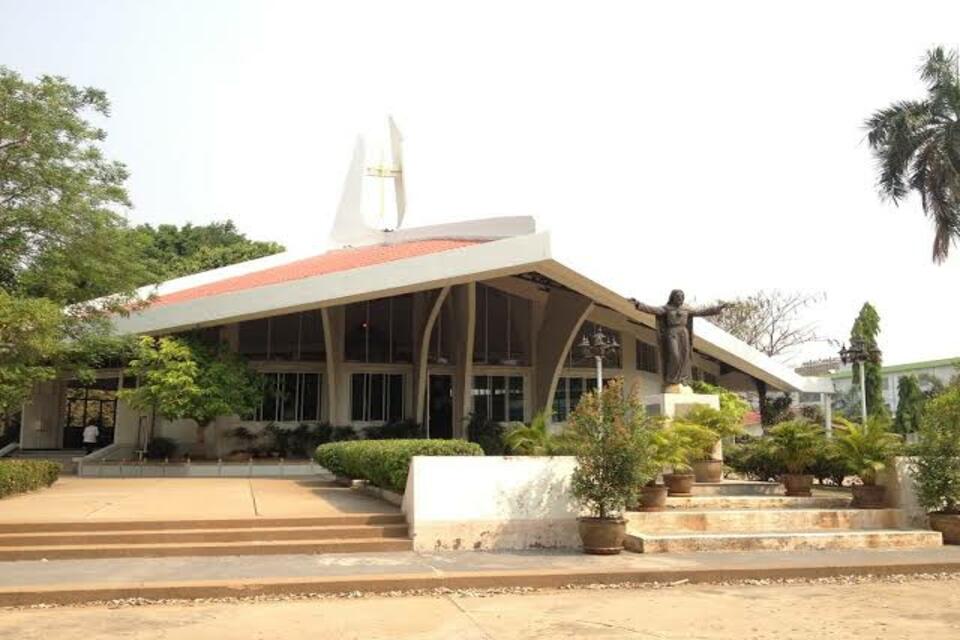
x=725 y=422
x=938 y=464
x=684 y=442
x=613 y=462
x=796 y=443
x=653 y=495
x=866 y=450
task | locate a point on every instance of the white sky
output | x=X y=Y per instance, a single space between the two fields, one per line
x=716 y=147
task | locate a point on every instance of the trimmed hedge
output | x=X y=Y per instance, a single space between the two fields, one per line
x=18 y=476
x=386 y=463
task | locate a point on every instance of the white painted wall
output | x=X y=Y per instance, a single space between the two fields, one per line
x=487 y=503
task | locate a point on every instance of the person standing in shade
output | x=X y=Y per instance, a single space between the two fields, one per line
x=91 y=434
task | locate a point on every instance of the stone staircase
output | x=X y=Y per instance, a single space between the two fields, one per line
x=353 y=533
x=752 y=516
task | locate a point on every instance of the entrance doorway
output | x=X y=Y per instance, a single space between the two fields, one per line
x=440 y=407
x=96 y=403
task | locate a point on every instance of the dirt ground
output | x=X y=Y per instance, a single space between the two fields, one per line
x=904 y=608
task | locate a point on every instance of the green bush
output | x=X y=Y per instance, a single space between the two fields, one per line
x=386 y=463
x=829 y=465
x=868 y=448
x=160 y=448
x=403 y=430
x=488 y=434
x=797 y=443
x=614 y=450
x=18 y=476
x=938 y=454
x=755 y=459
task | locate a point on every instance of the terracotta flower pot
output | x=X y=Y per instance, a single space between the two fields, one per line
x=948 y=524
x=602 y=536
x=797 y=484
x=869 y=496
x=708 y=470
x=679 y=484
x=653 y=498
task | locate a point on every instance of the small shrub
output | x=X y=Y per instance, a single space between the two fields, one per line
x=19 y=476
x=386 y=463
x=866 y=449
x=160 y=448
x=488 y=434
x=829 y=465
x=403 y=430
x=938 y=454
x=614 y=458
x=796 y=443
x=754 y=459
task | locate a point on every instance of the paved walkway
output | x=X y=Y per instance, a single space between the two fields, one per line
x=74 y=499
x=67 y=581
x=893 y=611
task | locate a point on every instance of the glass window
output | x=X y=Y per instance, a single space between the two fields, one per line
x=401 y=329
x=312 y=345
x=569 y=393
x=441 y=347
x=498 y=398
x=376 y=397
x=291 y=337
x=502 y=332
x=289 y=397
x=515 y=402
x=285 y=337
x=647 y=357
x=379 y=330
x=254 y=338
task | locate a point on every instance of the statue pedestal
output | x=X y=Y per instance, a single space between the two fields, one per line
x=677 y=405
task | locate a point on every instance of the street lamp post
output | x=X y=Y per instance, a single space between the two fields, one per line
x=859 y=352
x=598 y=345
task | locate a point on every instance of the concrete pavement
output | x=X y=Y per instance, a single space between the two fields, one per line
x=843 y=611
x=70 y=581
x=74 y=499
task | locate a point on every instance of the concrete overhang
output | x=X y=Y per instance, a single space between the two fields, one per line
x=529 y=252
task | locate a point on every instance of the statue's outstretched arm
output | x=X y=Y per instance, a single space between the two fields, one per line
x=713 y=310
x=646 y=308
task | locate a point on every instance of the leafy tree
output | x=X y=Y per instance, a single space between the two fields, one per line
x=173 y=251
x=910 y=401
x=62 y=234
x=182 y=379
x=30 y=338
x=865 y=329
x=917 y=148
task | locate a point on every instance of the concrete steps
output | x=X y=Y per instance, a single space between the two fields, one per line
x=735 y=516
x=361 y=533
x=750 y=520
x=783 y=541
x=712 y=503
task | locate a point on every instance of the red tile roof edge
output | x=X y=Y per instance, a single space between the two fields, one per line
x=334 y=261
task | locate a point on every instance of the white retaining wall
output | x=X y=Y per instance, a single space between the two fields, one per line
x=488 y=503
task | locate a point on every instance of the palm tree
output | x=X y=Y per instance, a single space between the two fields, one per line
x=917 y=147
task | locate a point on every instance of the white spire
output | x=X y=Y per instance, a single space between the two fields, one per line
x=367 y=209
